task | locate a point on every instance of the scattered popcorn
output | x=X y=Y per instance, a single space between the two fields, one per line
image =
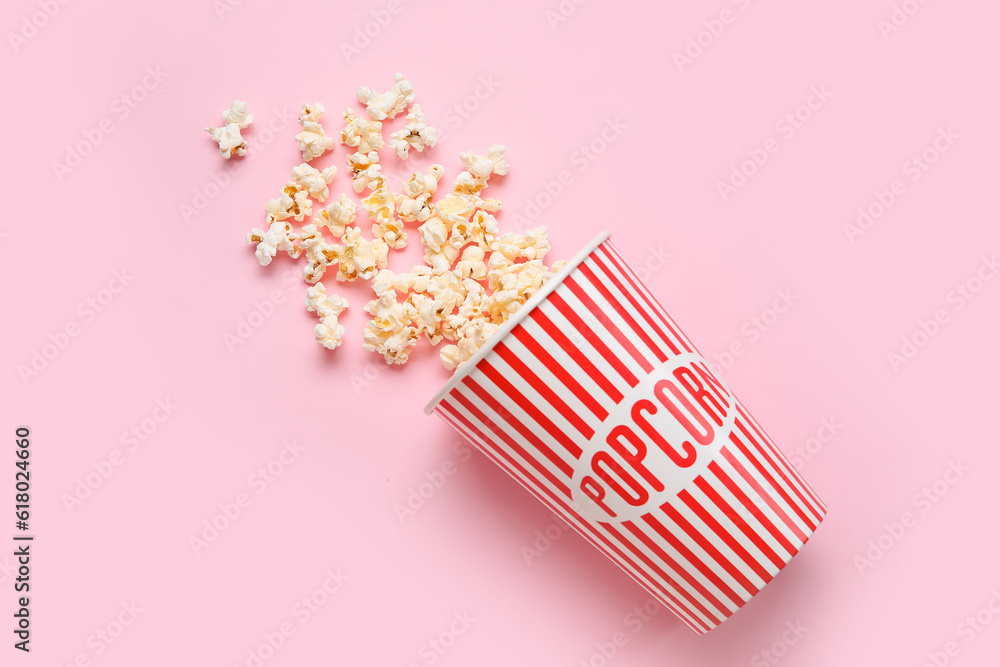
x=314 y=181
x=413 y=203
x=329 y=332
x=271 y=241
x=482 y=167
x=471 y=264
x=382 y=106
x=294 y=202
x=362 y=133
x=338 y=215
x=313 y=140
x=361 y=258
x=390 y=332
x=319 y=253
x=473 y=277
x=229 y=138
x=417 y=134
x=479 y=168
x=382 y=209
x=364 y=170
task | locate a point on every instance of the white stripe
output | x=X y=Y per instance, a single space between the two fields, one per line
x=734 y=531
x=637 y=315
x=748 y=515
x=793 y=474
x=521 y=415
x=652 y=299
x=769 y=488
x=601 y=329
x=717 y=568
x=606 y=307
x=779 y=482
x=728 y=606
x=536 y=397
x=574 y=370
x=532 y=455
x=591 y=354
x=719 y=543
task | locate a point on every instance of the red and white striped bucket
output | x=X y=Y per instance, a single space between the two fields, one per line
x=596 y=402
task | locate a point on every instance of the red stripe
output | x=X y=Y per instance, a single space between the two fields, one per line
x=567 y=346
x=753 y=507
x=606 y=322
x=630 y=295
x=528 y=406
x=692 y=581
x=781 y=463
x=797 y=504
x=768 y=497
x=477 y=441
x=644 y=290
x=512 y=420
x=599 y=541
x=735 y=517
x=559 y=371
x=544 y=390
x=483 y=419
x=644 y=297
x=592 y=337
x=694 y=560
x=709 y=548
x=815 y=508
x=693 y=603
x=617 y=305
x=719 y=530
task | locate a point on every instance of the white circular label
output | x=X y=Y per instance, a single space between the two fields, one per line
x=656 y=441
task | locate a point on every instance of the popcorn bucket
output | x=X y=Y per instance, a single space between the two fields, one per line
x=597 y=403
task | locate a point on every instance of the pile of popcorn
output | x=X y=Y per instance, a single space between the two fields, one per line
x=473 y=278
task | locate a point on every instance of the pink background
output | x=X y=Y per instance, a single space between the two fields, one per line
x=366 y=447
